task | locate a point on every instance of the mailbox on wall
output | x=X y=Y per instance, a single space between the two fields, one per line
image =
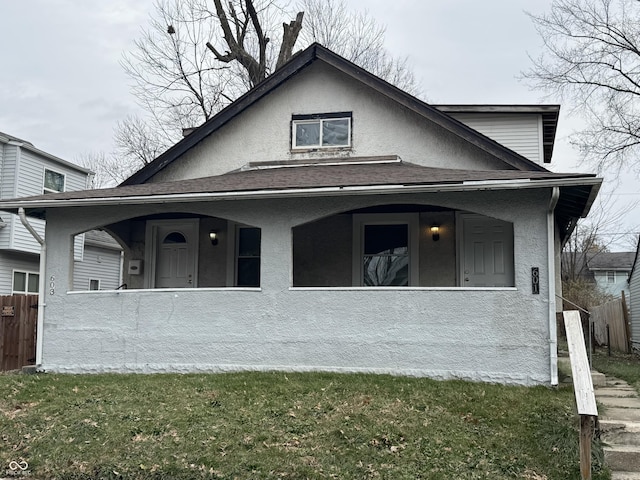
x=135 y=267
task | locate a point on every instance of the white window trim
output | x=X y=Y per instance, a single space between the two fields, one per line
x=320 y=118
x=26 y=280
x=362 y=219
x=49 y=190
x=94 y=280
x=613 y=275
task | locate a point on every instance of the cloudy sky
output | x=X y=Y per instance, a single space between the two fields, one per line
x=63 y=89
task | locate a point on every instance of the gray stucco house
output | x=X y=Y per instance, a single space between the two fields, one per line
x=326 y=220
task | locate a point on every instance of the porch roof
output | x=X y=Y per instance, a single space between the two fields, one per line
x=329 y=177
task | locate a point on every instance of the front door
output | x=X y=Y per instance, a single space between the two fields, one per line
x=175 y=253
x=487 y=252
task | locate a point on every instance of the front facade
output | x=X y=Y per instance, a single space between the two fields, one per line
x=26 y=171
x=324 y=221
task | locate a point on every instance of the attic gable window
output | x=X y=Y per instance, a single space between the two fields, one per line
x=324 y=130
x=53 y=181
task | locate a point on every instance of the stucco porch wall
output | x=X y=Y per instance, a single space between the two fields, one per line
x=411 y=332
x=495 y=335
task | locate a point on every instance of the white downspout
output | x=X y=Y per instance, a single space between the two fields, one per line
x=551 y=253
x=41 y=283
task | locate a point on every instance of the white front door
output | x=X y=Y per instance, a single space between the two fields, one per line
x=487 y=252
x=175 y=253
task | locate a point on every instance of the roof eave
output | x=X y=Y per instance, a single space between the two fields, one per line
x=31 y=205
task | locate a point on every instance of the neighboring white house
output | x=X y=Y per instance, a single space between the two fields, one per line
x=24 y=171
x=634 y=300
x=326 y=220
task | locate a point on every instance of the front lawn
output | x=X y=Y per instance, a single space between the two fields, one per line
x=277 y=425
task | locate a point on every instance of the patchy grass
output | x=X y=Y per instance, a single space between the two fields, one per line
x=620 y=365
x=276 y=425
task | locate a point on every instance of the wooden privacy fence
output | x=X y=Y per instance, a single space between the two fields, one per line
x=18 y=320
x=616 y=316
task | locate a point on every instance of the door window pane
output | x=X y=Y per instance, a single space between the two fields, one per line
x=386 y=255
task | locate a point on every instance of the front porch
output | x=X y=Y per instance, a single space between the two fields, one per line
x=313 y=308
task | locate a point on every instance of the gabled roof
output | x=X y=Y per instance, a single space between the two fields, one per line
x=612 y=261
x=318 y=53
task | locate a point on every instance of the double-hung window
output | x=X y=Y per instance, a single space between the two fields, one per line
x=326 y=130
x=53 y=181
x=248 y=257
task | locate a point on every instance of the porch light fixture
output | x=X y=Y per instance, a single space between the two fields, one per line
x=213 y=236
x=435 y=232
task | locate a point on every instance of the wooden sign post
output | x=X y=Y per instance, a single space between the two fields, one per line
x=583 y=388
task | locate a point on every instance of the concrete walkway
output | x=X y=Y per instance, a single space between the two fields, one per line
x=619 y=419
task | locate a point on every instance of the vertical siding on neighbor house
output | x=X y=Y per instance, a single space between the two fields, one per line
x=100 y=264
x=521 y=133
x=10 y=261
x=634 y=300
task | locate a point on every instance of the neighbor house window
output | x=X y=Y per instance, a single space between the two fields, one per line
x=248 y=257
x=94 y=284
x=25 y=282
x=611 y=277
x=328 y=130
x=53 y=181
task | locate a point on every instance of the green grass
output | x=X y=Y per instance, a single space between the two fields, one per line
x=620 y=365
x=276 y=425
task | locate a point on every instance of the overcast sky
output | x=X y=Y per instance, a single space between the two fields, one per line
x=62 y=87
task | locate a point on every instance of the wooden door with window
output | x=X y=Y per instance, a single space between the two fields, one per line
x=175 y=256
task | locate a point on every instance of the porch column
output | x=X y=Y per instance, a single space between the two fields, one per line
x=276 y=262
x=59 y=268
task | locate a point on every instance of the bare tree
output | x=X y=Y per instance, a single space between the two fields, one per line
x=592 y=236
x=592 y=59
x=197 y=56
x=356 y=36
